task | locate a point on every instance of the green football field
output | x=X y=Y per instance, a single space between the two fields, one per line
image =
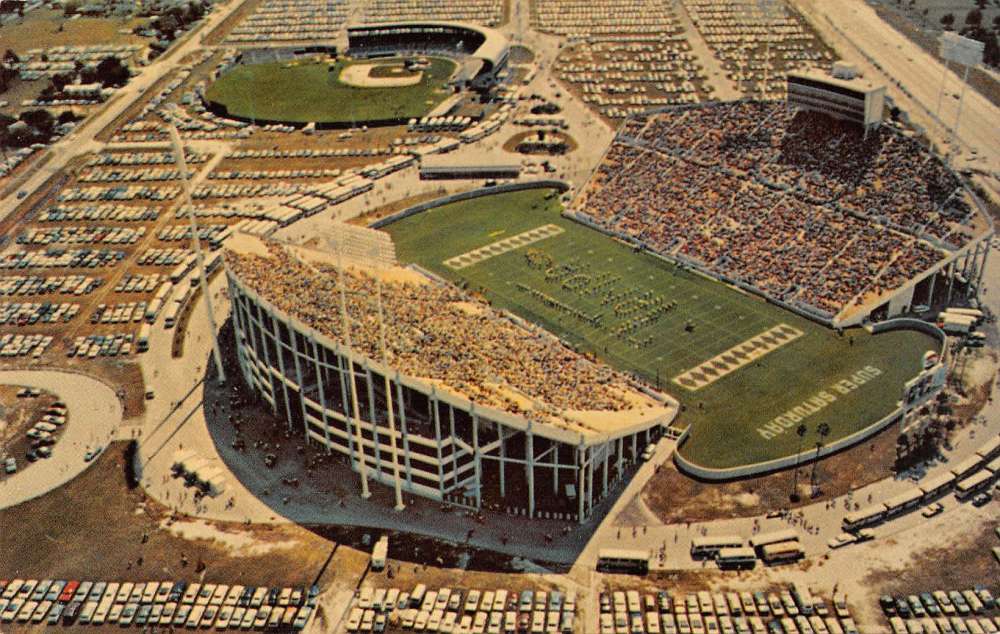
x=656 y=320
x=305 y=91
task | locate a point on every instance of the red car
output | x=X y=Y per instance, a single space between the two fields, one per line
x=69 y=591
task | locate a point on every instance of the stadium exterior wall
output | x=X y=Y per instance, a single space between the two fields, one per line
x=897 y=415
x=437 y=444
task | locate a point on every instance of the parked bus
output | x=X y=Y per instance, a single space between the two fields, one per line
x=763 y=539
x=968 y=312
x=972 y=485
x=170 y=317
x=153 y=311
x=935 y=487
x=782 y=552
x=869 y=516
x=622 y=560
x=709 y=547
x=990 y=449
x=142 y=343
x=743 y=557
x=904 y=502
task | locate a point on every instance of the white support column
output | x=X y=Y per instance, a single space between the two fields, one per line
x=298 y=379
x=607 y=459
x=402 y=431
x=555 y=468
x=322 y=392
x=589 y=455
x=621 y=457
x=951 y=281
x=477 y=456
x=930 y=290
x=437 y=438
x=370 y=384
x=530 y=467
x=454 y=447
x=635 y=446
x=502 y=461
x=580 y=481
x=281 y=367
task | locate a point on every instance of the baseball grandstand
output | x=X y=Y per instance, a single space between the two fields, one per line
x=391 y=72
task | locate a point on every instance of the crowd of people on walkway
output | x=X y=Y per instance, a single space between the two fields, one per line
x=803 y=207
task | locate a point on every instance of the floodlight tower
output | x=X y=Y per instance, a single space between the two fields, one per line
x=349 y=349
x=376 y=260
x=175 y=140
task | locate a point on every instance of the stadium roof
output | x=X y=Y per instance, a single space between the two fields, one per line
x=494 y=48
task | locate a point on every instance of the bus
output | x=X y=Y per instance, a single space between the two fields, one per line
x=869 y=516
x=763 y=539
x=975 y=313
x=170 y=317
x=153 y=311
x=142 y=343
x=972 y=485
x=990 y=449
x=935 y=487
x=904 y=502
x=737 y=558
x=709 y=547
x=622 y=560
x=782 y=552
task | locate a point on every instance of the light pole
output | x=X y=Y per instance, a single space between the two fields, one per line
x=181 y=162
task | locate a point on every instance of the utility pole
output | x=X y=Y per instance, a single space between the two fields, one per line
x=181 y=162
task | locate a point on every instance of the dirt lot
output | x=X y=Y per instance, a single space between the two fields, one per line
x=43 y=28
x=674 y=497
x=958 y=566
x=95 y=527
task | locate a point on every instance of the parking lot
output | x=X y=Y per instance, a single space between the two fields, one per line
x=156 y=604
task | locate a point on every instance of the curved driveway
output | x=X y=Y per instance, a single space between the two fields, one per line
x=94 y=414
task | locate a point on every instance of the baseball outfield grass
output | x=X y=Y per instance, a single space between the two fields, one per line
x=658 y=321
x=302 y=91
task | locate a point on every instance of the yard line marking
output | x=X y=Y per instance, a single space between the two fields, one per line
x=500 y=247
x=736 y=357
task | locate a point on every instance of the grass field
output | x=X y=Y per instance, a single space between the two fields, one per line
x=301 y=92
x=579 y=267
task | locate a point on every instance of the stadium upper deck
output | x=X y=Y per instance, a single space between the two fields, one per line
x=795 y=205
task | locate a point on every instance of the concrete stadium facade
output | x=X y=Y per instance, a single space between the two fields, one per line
x=425 y=440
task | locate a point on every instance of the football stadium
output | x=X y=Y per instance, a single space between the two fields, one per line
x=391 y=73
x=761 y=285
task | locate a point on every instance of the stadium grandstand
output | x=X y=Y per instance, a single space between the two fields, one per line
x=452 y=401
x=487 y=50
x=804 y=209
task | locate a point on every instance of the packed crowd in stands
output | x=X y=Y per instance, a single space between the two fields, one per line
x=802 y=207
x=436 y=332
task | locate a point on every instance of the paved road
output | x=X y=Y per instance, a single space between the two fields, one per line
x=94 y=415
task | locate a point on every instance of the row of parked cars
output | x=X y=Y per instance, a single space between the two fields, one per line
x=92 y=346
x=12 y=345
x=458 y=611
x=940 y=603
x=156 y=603
x=789 y=611
x=45 y=432
x=121 y=313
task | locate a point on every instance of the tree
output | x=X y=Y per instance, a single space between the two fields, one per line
x=801 y=432
x=41 y=120
x=60 y=81
x=111 y=72
x=10 y=57
x=996 y=22
x=823 y=430
x=974 y=18
x=948 y=21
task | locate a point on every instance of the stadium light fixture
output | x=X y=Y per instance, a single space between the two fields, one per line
x=181 y=162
